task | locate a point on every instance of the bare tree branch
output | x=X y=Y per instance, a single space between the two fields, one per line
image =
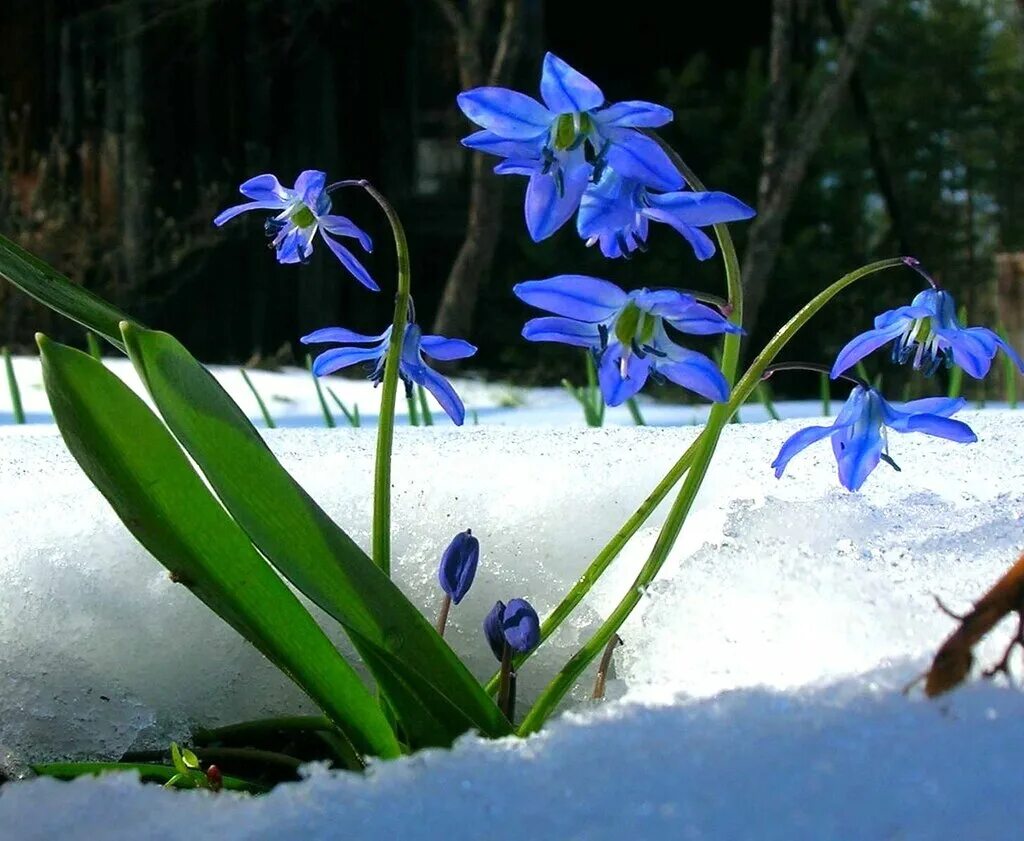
x=509 y=44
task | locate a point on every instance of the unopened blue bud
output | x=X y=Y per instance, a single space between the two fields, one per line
x=458 y=565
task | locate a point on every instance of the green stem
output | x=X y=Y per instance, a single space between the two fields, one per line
x=17 y=410
x=414 y=412
x=825 y=390
x=634 y=412
x=259 y=400
x=351 y=416
x=328 y=417
x=720 y=414
x=1009 y=372
x=93 y=344
x=428 y=419
x=764 y=392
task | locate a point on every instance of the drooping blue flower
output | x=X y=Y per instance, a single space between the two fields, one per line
x=412 y=368
x=515 y=624
x=302 y=211
x=458 y=565
x=928 y=332
x=560 y=144
x=626 y=331
x=615 y=214
x=858 y=432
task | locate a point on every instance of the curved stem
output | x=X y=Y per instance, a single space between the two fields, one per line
x=814 y=367
x=720 y=414
x=381 y=540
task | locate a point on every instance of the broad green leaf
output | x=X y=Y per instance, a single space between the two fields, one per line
x=305 y=545
x=42 y=282
x=136 y=464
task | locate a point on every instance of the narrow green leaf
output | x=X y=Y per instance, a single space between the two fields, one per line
x=351 y=416
x=136 y=464
x=634 y=412
x=17 y=410
x=1009 y=371
x=147 y=772
x=34 y=277
x=328 y=417
x=93 y=345
x=267 y=419
x=428 y=419
x=825 y=392
x=295 y=534
x=414 y=412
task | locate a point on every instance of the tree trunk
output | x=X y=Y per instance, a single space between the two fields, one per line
x=483 y=222
x=787 y=168
x=134 y=170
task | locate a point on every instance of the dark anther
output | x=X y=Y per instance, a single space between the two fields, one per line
x=620 y=238
x=637 y=350
x=888 y=460
x=602 y=332
x=655 y=352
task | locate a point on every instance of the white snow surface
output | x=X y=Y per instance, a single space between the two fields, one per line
x=757 y=694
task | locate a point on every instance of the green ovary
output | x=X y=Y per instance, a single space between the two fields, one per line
x=302 y=216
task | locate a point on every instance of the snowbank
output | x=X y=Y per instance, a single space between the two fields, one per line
x=757 y=692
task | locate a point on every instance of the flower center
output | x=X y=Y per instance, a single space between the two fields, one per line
x=302 y=216
x=635 y=326
x=570 y=130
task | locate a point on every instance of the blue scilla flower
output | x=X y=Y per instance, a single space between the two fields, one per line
x=458 y=565
x=302 y=211
x=515 y=624
x=412 y=368
x=928 y=332
x=615 y=214
x=626 y=331
x=858 y=432
x=560 y=144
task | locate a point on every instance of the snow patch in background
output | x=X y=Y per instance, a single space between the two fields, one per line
x=758 y=687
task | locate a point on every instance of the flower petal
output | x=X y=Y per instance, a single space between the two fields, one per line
x=342 y=226
x=566 y=331
x=971 y=351
x=699 y=209
x=518 y=166
x=940 y=427
x=566 y=90
x=506 y=113
x=798 y=442
x=339 y=334
x=349 y=261
x=904 y=315
x=633 y=114
x=860 y=346
x=310 y=187
x=438 y=347
x=858 y=449
x=635 y=155
x=575 y=296
x=341 y=357
x=695 y=372
x=615 y=388
x=942 y=406
x=492 y=144
x=547 y=209
x=442 y=390
x=520 y=625
x=232 y=212
x=267 y=188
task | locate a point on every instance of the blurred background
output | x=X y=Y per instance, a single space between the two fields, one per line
x=859 y=130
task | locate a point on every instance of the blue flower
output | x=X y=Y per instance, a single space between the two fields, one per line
x=928 y=332
x=303 y=210
x=627 y=333
x=858 y=432
x=412 y=368
x=515 y=624
x=615 y=213
x=458 y=565
x=560 y=144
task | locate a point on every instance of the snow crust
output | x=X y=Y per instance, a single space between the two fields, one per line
x=756 y=696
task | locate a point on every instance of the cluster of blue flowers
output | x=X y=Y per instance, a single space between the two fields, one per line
x=583 y=154
x=597 y=160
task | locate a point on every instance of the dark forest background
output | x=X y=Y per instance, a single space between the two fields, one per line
x=860 y=130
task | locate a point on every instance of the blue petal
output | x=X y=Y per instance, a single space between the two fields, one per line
x=520 y=625
x=858 y=449
x=492 y=144
x=266 y=188
x=703 y=246
x=942 y=406
x=971 y=351
x=310 y=186
x=518 y=166
x=562 y=330
x=438 y=347
x=506 y=113
x=442 y=391
x=293 y=247
x=633 y=114
x=344 y=227
x=940 y=427
x=903 y=315
x=798 y=442
x=566 y=90
x=707 y=208
x=635 y=155
x=339 y=335
x=615 y=388
x=697 y=373
x=546 y=208
x=349 y=261
x=860 y=346
x=232 y=212
x=684 y=313
x=575 y=296
x=493 y=632
x=333 y=360
x=458 y=565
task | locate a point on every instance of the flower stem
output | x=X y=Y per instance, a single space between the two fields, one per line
x=603 y=667
x=506 y=685
x=12 y=385
x=442 y=614
x=720 y=414
x=386 y=423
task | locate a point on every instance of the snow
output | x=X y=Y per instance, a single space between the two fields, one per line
x=757 y=694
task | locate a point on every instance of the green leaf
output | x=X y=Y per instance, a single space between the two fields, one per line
x=307 y=547
x=149 y=773
x=36 y=278
x=137 y=465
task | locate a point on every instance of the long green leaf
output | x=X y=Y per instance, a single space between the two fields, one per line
x=305 y=545
x=137 y=465
x=147 y=773
x=34 y=277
